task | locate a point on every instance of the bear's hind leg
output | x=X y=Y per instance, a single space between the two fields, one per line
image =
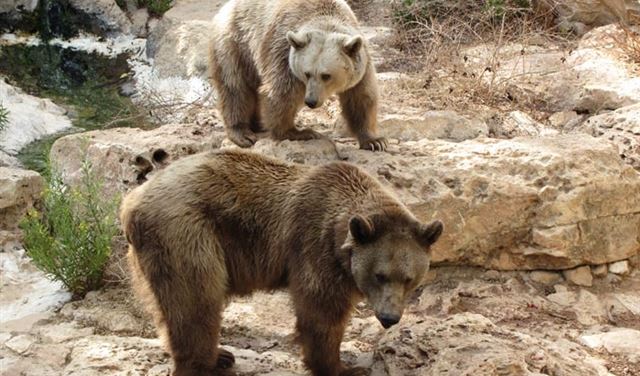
x=193 y=331
x=189 y=301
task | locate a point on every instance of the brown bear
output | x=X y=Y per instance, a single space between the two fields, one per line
x=227 y=223
x=269 y=57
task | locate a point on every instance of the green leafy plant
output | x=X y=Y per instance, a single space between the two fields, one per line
x=156 y=7
x=4 y=117
x=70 y=238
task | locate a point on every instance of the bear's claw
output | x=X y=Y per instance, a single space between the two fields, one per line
x=375 y=144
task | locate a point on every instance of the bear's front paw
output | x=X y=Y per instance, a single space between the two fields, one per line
x=225 y=359
x=374 y=144
x=242 y=135
x=356 y=371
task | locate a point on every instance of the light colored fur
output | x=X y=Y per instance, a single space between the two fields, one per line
x=261 y=79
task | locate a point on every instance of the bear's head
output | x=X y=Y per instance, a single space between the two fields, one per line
x=389 y=255
x=327 y=63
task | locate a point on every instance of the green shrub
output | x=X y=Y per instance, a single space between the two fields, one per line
x=156 y=7
x=4 y=117
x=70 y=239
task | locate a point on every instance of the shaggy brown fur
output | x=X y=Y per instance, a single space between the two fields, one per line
x=269 y=57
x=220 y=224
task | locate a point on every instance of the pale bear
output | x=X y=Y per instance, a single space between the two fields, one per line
x=221 y=224
x=270 y=58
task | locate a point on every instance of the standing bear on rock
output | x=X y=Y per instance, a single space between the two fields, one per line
x=269 y=58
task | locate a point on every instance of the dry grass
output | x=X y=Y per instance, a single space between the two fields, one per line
x=438 y=33
x=629 y=42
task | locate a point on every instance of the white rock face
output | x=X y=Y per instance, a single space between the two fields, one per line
x=525 y=203
x=30 y=118
x=27 y=296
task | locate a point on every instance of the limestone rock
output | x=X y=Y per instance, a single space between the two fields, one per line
x=579 y=276
x=617 y=341
x=30 y=118
x=126 y=157
x=446 y=125
x=619 y=267
x=450 y=346
x=63 y=332
x=599 y=270
x=20 y=344
x=26 y=294
x=590 y=78
x=598 y=12
x=541 y=203
x=139 y=19
x=545 y=277
x=179 y=44
x=565 y=120
x=111 y=17
x=622 y=128
x=8 y=161
x=518 y=123
x=19 y=190
x=182 y=51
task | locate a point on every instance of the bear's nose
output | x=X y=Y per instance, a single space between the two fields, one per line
x=387 y=320
x=312 y=103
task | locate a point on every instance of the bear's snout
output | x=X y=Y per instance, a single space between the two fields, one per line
x=387 y=320
x=311 y=103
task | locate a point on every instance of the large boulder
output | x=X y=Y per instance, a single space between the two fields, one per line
x=19 y=190
x=125 y=157
x=523 y=203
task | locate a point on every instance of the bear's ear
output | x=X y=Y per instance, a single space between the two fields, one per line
x=298 y=40
x=428 y=234
x=361 y=229
x=352 y=45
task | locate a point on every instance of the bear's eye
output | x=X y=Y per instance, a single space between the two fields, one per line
x=325 y=77
x=408 y=281
x=307 y=74
x=381 y=278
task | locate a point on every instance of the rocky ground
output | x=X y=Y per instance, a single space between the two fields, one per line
x=538 y=272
